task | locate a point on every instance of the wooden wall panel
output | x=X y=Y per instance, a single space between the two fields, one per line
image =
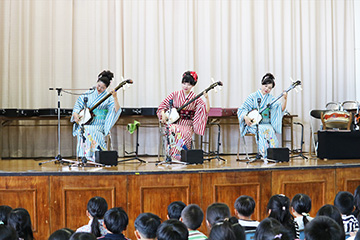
x=30 y=193
x=318 y=184
x=153 y=193
x=226 y=187
x=347 y=179
x=69 y=197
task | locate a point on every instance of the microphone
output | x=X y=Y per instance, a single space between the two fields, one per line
x=259 y=101
x=92 y=88
x=171 y=103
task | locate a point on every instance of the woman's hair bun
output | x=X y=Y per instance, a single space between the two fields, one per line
x=105 y=76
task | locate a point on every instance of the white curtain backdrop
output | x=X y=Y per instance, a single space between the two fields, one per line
x=66 y=43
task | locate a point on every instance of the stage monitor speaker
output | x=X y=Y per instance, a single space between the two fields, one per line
x=278 y=154
x=194 y=156
x=107 y=157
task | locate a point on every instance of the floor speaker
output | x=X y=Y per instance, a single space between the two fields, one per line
x=106 y=157
x=193 y=156
x=278 y=154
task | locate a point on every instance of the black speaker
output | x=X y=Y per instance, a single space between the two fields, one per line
x=194 y=156
x=278 y=154
x=106 y=157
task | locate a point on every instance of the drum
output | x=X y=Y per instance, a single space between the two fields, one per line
x=333 y=106
x=336 y=119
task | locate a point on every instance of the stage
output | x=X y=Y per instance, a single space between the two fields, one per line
x=56 y=195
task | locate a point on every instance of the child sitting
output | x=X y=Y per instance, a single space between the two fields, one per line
x=172 y=230
x=300 y=208
x=174 y=210
x=244 y=208
x=116 y=221
x=344 y=201
x=146 y=225
x=192 y=216
x=216 y=212
x=323 y=227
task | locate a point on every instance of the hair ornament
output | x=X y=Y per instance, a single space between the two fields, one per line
x=278 y=236
x=194 y=75
x=283 y=208
x=305 y=214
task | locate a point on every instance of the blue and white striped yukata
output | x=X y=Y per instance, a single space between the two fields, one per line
x=95 y=132
x=270 y=124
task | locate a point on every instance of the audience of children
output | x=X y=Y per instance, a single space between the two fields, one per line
x=96 y=209
x=356 y=212
x=244 y=208
x=323 y=227
x=227 y=229
x=172 y=230
x=146 y=225
x=174 y=210
x=344 y=201
x=192 y=216
x=61 y=234
x=278 y=208
x=331 y=222
x=300 y=208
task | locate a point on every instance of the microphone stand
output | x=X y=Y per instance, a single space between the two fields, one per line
x=300 y=151
x=168 y=159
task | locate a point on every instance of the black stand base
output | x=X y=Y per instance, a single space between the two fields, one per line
x=217 y=148
x=136 y=157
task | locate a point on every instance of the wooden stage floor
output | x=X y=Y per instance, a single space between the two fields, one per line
x=32 y=166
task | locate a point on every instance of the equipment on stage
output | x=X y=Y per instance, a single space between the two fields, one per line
x=336 y=119
x=173 y=114
x=278 y=154
x=255 y=114
x=86 y=115
x=192 y=156
x=106 y=157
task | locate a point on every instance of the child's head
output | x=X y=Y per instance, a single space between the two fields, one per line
x=357 y=197
x=96 y=208
x=172 y=230
x=332 y=212
x=116 y=220
x=174 y=209
x=19 y=219
x=272 y=229
x=323 y=227
x=192 y=216
x=244 y=206
x=146 y=225
x=82 y=236
x=229 y=229
x=344 y=201
x=7 y=233
x=4 y=213
x=216 y=212
x=301 y=204
x=61 y=234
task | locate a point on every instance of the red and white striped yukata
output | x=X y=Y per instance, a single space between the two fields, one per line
x=182 y=131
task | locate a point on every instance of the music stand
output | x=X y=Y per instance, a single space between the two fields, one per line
x=300 y=151
x=136 y=157
x=58 y=158
x=217 y=154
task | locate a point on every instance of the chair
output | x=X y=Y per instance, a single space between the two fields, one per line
x=245 y=146
x=315 y=115
x=333 y=106
x=250 y=234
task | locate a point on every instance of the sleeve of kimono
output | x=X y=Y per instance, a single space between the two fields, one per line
x=276 y=114
x=243 y=110
x=200 y=117
x=112 y=116
x=164 y=105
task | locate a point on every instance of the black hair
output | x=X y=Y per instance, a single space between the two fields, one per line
x=332 y=212
x=216 y=212
x=61 y=234
x=4 y=213
x=268 y=78
x=302 y=205
x=105 y=77
x=344 y=201
x=279 y=205
x=116 y=220
x=82 y=236
x=19 y=219
x=357 y=203
x=147 y=224
x=7 y=233
x=227 y=229
x=245 y=205
x=172 y=230
x=190 y=77
x=192 y=216
x=323 y=227
x=270 y=229
x=174 y=209
x=97 y=207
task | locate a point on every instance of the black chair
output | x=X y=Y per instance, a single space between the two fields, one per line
x=315 y=125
